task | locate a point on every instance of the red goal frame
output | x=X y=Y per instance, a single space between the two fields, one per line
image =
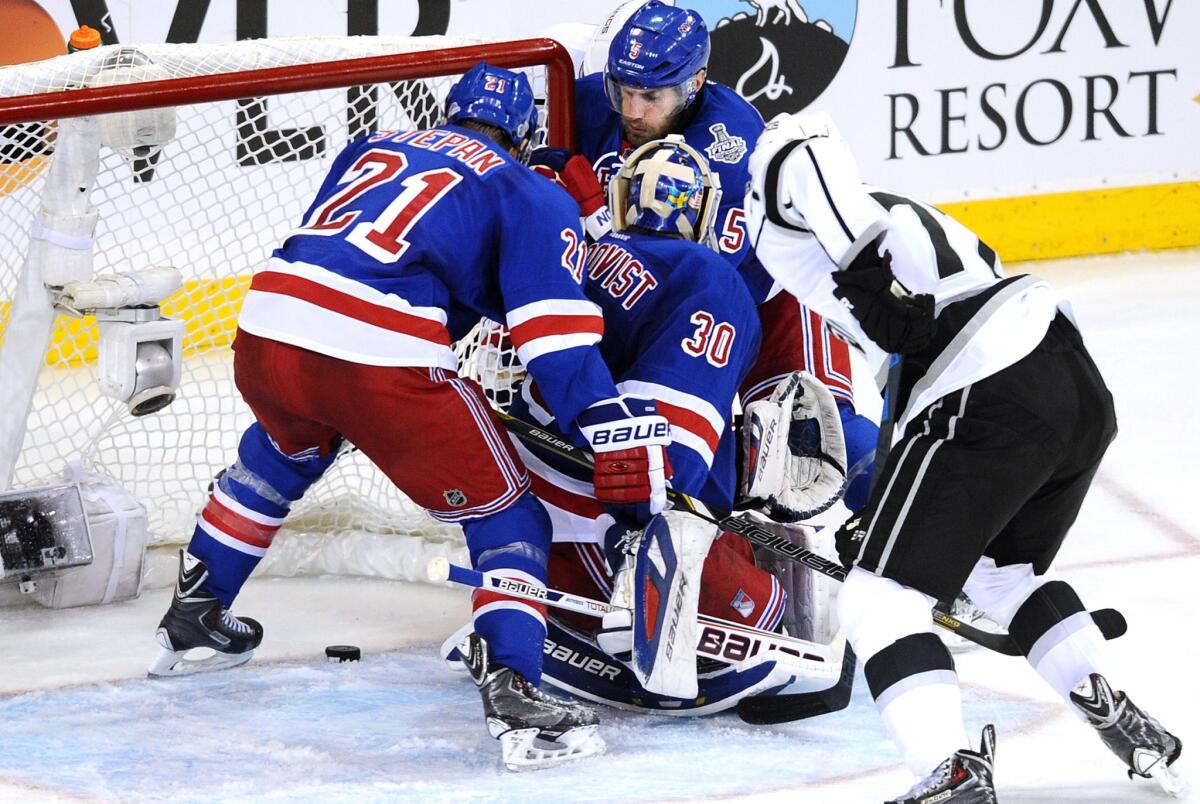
x=560 y=83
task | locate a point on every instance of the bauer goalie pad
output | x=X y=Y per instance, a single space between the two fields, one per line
x=662 y=590
x=575 y=663
x=810 y=611
x=793 y=451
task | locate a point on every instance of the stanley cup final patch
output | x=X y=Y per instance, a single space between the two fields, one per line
x=455 y=498
x=742 y=603
x=725 y=147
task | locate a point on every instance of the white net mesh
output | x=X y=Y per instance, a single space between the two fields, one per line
x=213 y=202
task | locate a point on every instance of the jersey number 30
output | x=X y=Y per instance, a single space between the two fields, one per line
x=384 y=237
x=711 y=340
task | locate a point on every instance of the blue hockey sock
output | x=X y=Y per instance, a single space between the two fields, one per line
x=514 y=543
x=247 y=506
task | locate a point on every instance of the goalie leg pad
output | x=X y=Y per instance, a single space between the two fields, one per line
x=666 y=594
x=576 y=664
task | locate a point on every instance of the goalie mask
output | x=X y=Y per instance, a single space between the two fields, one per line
x=498 y=97
x=665 y=186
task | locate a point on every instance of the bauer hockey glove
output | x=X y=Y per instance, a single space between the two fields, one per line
x=575 y=175
x=793 y=451
x=900 y=322
x=629 y=440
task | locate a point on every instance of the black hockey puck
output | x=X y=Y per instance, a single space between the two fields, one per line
x=343 y=653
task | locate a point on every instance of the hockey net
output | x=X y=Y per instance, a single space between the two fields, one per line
x=257 y=124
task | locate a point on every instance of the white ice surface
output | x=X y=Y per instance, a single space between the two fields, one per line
x=79 y=722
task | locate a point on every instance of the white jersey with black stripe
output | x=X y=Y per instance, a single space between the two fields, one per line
x=807 y=206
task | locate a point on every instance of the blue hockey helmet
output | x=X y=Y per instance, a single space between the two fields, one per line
x=658 y=47
x=666 y=186
x=495 y=96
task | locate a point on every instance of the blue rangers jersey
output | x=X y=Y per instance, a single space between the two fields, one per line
x=412 y=237
x=719 y=124
x=680 y=328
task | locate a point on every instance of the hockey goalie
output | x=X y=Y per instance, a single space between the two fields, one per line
x=684 y=331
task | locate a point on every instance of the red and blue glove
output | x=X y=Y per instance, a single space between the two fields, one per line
x=575 y=175
x=629 y=440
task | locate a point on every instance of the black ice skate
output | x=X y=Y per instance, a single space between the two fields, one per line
x=1141 y=742
x=535 y=730
x=196 y=619
x=964 y=778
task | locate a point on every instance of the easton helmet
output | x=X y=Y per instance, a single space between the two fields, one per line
x=658 y=47
x=666 y=186
x=495 y=96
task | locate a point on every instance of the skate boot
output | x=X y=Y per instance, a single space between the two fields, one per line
x=1141 y=742
x=964 y=778
x=196 y=619
x=535 y=730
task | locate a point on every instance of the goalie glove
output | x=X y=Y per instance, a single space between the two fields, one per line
x=575 y=175
x=793 y=450
x=629 y=440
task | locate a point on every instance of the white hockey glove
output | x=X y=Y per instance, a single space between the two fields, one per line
x=793 y=451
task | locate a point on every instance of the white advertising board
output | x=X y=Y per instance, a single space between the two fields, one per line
x=948 y=99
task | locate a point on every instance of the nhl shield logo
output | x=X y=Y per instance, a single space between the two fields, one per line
x=455 y=498
x=742 y=603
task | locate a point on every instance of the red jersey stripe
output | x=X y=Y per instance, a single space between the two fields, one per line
x=237 y=526
x=692 y=422
x=545 y=325
x=351 y=306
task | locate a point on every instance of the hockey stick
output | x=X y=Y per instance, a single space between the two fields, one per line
x=719 y=639
x=780 y=545
x=763 y=710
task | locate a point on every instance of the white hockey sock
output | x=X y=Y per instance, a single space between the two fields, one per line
x=1067 y=661
x=925 y=723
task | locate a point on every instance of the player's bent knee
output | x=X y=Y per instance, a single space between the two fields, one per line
x=523 y=526
x=875 y=612
x=1000 y=591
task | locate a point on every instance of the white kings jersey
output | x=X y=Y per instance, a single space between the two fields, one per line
x=806 y=209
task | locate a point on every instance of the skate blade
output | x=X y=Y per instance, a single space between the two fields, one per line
x=171 y=663
x=523 y=751
x=1169 y=778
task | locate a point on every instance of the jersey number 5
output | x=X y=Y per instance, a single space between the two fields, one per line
x=384 y=237
x=711 y=340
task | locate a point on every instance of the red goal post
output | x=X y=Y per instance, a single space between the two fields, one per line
x=253 y=128
x=514 y=55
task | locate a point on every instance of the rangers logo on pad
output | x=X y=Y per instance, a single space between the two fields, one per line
x=742 y=603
